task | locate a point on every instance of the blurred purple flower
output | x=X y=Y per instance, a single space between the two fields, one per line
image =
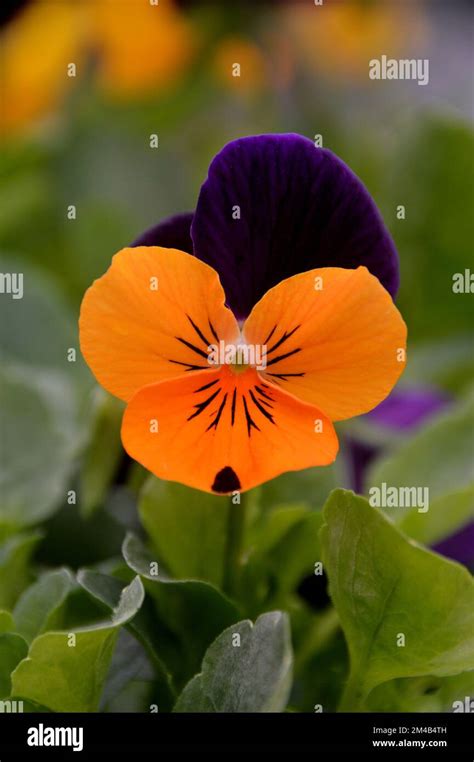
x=459 y=546
x=403 y=410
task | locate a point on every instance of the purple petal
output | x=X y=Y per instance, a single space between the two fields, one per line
x=300 y=208
x=173 y=233
x=459 y=546
x=408 y=408
x=359 y=456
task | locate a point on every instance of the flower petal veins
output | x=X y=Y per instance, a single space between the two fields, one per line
x=221 y=431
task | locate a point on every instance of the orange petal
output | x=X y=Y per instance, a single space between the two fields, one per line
x=224 y=431
x=151 y=317
x=334 y=338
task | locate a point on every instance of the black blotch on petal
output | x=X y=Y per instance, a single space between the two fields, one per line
x=226 y=480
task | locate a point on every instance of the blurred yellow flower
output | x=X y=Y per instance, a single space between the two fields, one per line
x=240 y=64
x=339 y=38
x=135 y=48
x=37 y=47
x=140 y=46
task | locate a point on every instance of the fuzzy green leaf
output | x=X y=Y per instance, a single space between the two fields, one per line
x=67 y=674
x=248 y=668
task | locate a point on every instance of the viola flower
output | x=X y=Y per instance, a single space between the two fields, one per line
x=238 y=350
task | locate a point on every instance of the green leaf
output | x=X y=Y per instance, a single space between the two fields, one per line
x=15 y=575
x=311 y=485
x=446 y=514
x=423 y=694
x=438 y=457
x=190 y=613
x=274 y=525
x=43 y=391
x=188 y=529
x=248 y=668
x=6 y=622
x=38 y=607
x=384 y=587
x=66 y=674
x=38 y=329
x=107 y=590
x=102 y=452
x=34 y=436
x=13 y=648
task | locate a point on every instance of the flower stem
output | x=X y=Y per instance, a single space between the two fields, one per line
x=234 y=545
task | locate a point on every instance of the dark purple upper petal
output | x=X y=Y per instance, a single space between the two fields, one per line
x=173 y=233
x=300 y=207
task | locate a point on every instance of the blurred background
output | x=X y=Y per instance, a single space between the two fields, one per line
x=84 y=86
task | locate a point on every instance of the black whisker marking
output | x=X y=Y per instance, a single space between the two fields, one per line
x=234 y=399
x=213 y=331
x=284 y=376
x=285 y=336
x=270 y=334
x=188 y=344
x=262 y=409
x=206 y=386
x=215 y=422
x=283 y=357
x=190 y=366
x=264 y=394
x=203 y=405
x=198 y=331
x=250 y=422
